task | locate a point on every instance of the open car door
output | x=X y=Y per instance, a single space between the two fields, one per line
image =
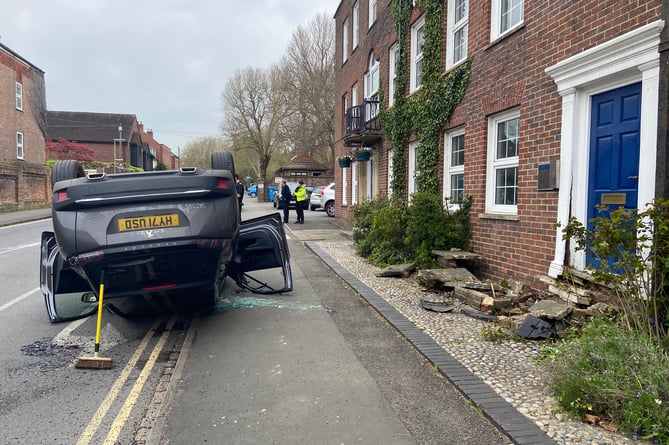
x=262 y=260
x=67 y=295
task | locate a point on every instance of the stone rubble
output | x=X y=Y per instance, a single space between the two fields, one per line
x=509 y=366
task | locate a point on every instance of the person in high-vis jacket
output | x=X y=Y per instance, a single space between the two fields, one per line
x=301 y=201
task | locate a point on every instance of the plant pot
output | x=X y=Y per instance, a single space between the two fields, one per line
x=362 y=156
x=344 y=163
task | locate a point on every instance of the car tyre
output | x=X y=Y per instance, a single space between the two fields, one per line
x=330 y=209
x=66 y=169
x=253 y=195
x=223 y=160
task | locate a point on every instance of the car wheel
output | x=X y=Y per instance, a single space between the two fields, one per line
x=253 y=195
x=312 y=208
x=66 y=169
x=223 y=160
x=330 y=209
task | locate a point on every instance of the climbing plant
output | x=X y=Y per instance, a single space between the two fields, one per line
x=427 y=111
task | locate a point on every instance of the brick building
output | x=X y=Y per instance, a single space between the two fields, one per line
x=114 y=137
x=160 y=153
x=560 y=114
x=24 y=181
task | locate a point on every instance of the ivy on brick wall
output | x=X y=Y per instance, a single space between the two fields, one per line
x=426 y=112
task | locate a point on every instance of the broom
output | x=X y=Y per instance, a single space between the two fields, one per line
x=96 y=362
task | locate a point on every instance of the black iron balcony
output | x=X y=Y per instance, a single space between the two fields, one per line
x=362 y=124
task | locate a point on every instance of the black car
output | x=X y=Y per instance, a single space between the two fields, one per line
x=154 y=235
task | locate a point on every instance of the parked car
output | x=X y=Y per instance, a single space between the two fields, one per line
x=315 y=199
x=328 y=200
x=252 y=191
x=161 y=234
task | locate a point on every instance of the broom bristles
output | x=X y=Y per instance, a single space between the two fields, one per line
x=93 y=362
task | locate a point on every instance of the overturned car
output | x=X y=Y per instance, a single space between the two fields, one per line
x=155 y=235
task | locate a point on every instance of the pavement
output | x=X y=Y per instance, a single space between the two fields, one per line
x=517 y=427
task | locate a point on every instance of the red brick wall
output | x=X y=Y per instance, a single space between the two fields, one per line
x=508 y=73
x=26 y=182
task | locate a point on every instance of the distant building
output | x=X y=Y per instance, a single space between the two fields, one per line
x=24 y=181
x=306 y=169
x=160 y=153
x=116 y=138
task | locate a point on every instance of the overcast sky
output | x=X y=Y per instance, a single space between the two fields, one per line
x=166 y=61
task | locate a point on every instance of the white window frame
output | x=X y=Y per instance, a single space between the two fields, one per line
x=344 y=186
x=494 y=163
x=372 y=87
x=370 y=179
x=354 y=183
x=19 y=145
x=19 y=96
x=393 y=58
x=454 y=28
x=449 y=169
x=416 y=53
x=501 y=9
x=344 y=41
x=355 y=23
x=389 y=173
x=372 y=12
x=413 y=168
x=354 y=95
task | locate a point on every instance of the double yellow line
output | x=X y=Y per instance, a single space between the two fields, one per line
x=124 y=413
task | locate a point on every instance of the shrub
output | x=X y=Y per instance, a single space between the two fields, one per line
x=630 y=252
x=389 y=232
x=621 y=377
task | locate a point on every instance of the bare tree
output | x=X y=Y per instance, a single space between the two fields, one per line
x=308 y=67
x=254 y=106
x=197 y=153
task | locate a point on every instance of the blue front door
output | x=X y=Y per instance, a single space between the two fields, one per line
x=614 y=150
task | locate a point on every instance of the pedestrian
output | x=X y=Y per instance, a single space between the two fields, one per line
x=239 y=188
x=300 y=201
x=284 y=200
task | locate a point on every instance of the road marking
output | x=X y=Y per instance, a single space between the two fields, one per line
x=17 y=299
x=95 y=422
x=12 y=249
x=124 y=413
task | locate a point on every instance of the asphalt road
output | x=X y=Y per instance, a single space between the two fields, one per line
x=43 y=398
x=315 y=366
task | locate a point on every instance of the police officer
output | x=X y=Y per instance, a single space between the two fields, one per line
x=300 y=201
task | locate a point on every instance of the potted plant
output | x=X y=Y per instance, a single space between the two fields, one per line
x=345 y=160
x=362 y=153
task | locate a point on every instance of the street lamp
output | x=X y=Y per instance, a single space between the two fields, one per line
x=120 y=146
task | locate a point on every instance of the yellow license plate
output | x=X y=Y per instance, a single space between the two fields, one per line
x=148 y=222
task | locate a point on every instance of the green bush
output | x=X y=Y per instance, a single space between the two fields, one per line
x=621 y=377
x=390 y=232
x=631 y=258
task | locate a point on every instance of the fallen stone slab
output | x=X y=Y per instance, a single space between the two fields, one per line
x=437 y=278
x=397 y=270
x=550 y=310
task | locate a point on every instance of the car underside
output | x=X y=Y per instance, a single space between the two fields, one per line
x=155 y=235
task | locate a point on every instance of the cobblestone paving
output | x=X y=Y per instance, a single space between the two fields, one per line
x=509 y=366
